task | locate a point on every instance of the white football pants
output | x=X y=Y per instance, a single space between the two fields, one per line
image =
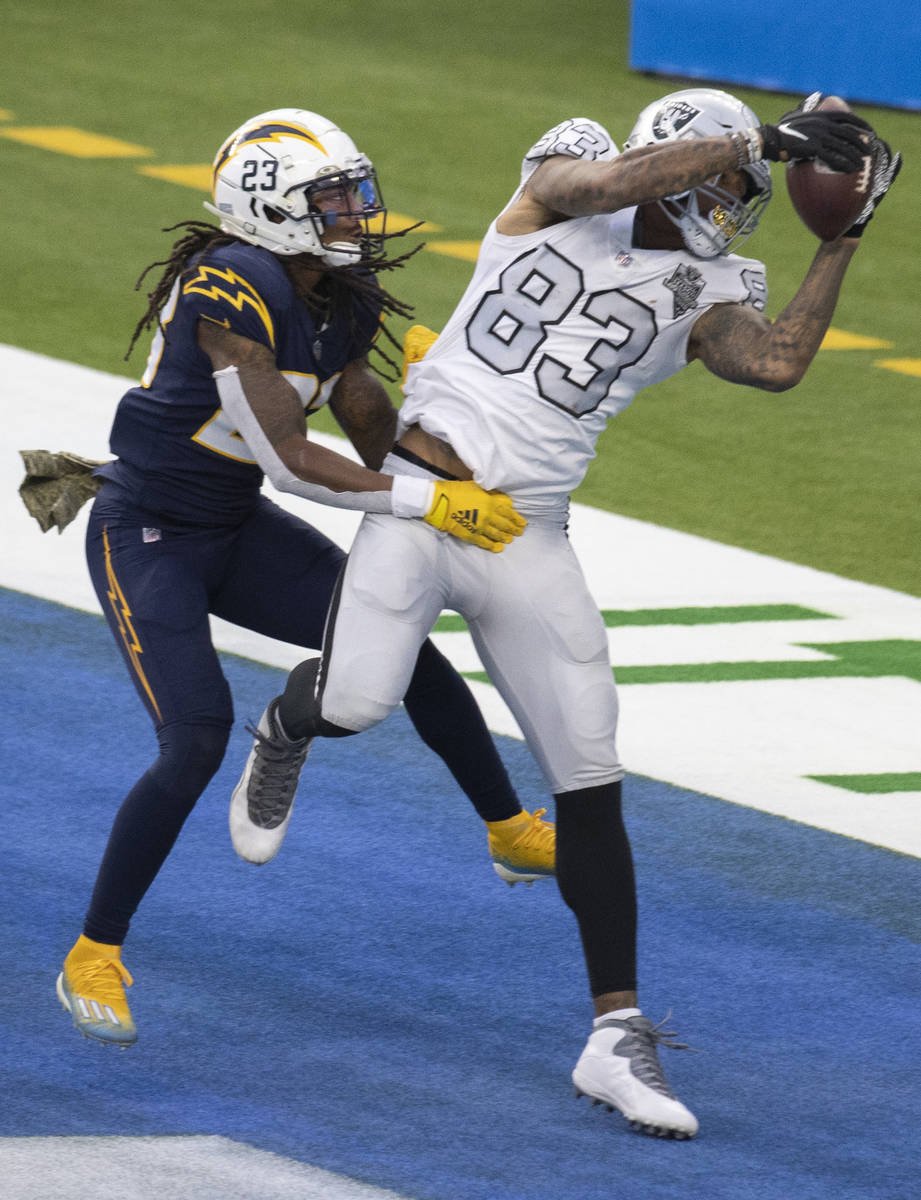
x=535 y=626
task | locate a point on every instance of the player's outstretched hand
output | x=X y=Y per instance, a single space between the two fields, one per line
x=839 y=139
x=886 y=167
x=417 y=342
x=464 y=509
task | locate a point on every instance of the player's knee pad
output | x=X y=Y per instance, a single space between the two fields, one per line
x=190 y=754
x=361 y=689
x=328 y=729
x=325 y=709
x=300 y=706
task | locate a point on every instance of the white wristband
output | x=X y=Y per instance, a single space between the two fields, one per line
x=411 y=496
x=749 y=146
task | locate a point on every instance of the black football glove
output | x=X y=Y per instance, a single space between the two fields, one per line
x=886 y=166
x=837 y=138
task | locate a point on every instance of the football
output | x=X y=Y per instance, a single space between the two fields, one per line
x=828 y=202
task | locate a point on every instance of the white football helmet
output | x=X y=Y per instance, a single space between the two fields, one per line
x=726 y=220
x=287 y=176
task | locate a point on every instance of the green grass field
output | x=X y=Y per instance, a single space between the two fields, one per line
x=445 y=100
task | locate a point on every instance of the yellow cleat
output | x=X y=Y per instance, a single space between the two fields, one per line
x=523 y=847
x=92 y=989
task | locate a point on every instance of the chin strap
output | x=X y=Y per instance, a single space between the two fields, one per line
x=340 y=254
x=337 y=254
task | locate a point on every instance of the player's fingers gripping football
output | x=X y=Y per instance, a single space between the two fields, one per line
x=826 y=103
x=839 y=139
x=886 y=167
x=463 y=509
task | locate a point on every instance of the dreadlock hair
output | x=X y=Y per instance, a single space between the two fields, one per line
x=337 y=294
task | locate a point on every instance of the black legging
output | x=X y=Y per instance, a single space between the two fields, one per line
x=594 y=871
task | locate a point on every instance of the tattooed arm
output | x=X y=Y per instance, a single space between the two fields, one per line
x=564 y=187
x=739 y=344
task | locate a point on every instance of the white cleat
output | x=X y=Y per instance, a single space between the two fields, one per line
x=620 y=1068
x=261 y=804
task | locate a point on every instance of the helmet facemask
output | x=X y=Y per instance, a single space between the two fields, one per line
x=346 y=198
x=287 y=178
x=711 y=219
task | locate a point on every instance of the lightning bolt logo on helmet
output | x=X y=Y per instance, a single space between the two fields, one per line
x=260 y=130
x=293 y=182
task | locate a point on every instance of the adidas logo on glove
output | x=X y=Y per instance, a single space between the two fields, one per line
x=467 y=517
x=491 y=525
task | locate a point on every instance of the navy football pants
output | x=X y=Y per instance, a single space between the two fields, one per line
x=157 y=582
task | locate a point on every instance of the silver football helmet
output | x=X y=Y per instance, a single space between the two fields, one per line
x=286 y=177
x=712 y=221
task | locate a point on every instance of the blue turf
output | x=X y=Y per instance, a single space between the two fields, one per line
x=377 y=1002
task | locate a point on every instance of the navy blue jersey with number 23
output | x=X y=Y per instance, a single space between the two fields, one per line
x=178 y=453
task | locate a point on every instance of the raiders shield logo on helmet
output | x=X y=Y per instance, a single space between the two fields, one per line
x=670 y=121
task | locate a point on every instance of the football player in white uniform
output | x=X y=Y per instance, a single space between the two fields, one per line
x=603 y=274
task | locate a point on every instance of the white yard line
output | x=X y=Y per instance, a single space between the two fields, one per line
x=151 y=1168
x=753 y=742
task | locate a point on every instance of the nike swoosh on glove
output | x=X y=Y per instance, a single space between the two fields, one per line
x=839 y=139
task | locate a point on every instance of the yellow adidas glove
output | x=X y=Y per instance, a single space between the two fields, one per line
x=464 y=509
x=416 y=344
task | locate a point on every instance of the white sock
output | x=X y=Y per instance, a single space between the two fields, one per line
x=621 y=1014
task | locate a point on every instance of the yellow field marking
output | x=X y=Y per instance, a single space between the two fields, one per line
x=198 y=177
x=837 y=339
x=79 y=143
x=468 y=251
x=396 y=222
x=904 y=366
x=63 y=139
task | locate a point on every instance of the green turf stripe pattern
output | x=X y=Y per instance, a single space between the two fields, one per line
x=846 y=660
x=907 y=781
x=720 y=615
x=851 y=660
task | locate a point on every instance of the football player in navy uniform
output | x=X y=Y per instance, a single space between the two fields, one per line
x=603 y=274
x=256 y=325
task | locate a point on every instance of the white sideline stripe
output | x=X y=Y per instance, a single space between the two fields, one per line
x=751 y=743
x=165 y=1168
